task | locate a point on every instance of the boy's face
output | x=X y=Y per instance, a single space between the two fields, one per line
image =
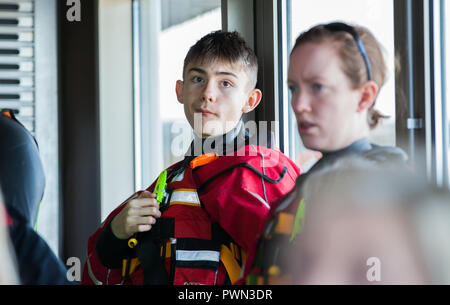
x=215 y=95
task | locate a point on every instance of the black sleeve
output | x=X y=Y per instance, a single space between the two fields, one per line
x=37 y=263
x=111 y=250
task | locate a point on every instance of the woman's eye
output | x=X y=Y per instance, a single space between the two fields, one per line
x=317 y=87
x=293 y=89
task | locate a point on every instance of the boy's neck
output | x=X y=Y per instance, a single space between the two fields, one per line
x=221 y=144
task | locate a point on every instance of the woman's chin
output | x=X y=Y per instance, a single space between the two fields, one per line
x=312 y=143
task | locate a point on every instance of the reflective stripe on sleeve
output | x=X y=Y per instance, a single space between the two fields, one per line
x=203 y=255
x=185 y=196
x=260 y=199
x=91 y=274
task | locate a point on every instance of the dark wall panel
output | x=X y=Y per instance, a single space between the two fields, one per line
x=79 y=126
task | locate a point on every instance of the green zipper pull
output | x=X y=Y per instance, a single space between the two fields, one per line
x=298 y=221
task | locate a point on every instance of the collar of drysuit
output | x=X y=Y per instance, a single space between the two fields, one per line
x=221 y=145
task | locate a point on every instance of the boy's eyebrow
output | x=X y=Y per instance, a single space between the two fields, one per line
x=195 y=69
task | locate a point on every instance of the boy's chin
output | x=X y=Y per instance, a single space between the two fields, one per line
x=211 y=132
x=208 y=134
x=211 y=127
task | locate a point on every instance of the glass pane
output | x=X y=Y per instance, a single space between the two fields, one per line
x=447 y=76
x=181 y=28
x=377 y=16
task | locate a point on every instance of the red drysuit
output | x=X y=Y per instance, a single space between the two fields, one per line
x=213 y=216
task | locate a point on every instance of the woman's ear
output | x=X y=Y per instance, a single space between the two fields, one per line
x=252 y=101
x=369 y=95
x=179 y=91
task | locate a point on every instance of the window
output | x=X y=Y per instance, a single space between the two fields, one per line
x=162 y=133
x=436 y=93
x=377 y=16
x=447 y=77
x=174 y=42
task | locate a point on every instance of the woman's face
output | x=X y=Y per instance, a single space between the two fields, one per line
x=325 y=104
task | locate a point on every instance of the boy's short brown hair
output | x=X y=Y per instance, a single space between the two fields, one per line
x=226 y=47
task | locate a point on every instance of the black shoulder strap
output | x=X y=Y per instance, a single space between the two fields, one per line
x=248 y=166
x=148 y=251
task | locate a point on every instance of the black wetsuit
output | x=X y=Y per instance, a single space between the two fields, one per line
x=380 y=155
x=274 y=247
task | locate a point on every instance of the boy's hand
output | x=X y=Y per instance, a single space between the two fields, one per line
x=137 y=216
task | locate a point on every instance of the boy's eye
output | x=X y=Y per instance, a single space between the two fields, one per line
x=227 y=84
x=197 y=79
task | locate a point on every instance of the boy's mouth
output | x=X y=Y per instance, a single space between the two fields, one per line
x=204 y=111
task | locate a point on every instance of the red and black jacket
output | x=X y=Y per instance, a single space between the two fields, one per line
x=213 y=217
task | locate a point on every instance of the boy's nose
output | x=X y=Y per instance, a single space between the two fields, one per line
x=208 y=98
x=208 y=93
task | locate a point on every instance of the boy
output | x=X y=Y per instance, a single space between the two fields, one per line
x=217 y=198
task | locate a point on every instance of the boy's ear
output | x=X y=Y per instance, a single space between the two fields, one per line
x=369 y=95
x=179 y=91
x=253 y=101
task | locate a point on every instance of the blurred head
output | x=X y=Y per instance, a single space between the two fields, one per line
x=219 y=79
x=22 y=175
x=8 y=272
x=366 y=225
x=333 y=92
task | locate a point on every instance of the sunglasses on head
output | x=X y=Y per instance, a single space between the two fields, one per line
x=342 y=27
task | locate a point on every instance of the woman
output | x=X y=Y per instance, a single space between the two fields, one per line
x=335 y=74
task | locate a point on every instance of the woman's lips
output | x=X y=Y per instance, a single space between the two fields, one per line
x=305 y=127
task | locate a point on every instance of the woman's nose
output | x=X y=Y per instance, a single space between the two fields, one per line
x=300 y=103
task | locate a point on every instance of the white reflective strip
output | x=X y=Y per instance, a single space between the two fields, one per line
x=185 y=196
x=178 y=177
x=260 y=199
x=91 y=274
x=204 y=255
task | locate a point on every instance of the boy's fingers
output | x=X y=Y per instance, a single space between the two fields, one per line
x=143 y=202
x=149 y=211
x=144 y=228
x=145 y=220
x=145 y=211
x=147 y=194
x=134 y=221
x=139 y=224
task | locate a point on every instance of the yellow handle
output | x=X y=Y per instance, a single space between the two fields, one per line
x=132 y=242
